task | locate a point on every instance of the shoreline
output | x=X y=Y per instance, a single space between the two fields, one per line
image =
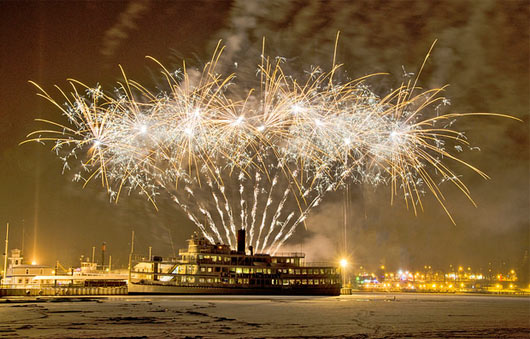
x=99 y=298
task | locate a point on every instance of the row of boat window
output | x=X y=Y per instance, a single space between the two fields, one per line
x=246 y=281
x=213 y=258
x=286 y=260
x=252 y=270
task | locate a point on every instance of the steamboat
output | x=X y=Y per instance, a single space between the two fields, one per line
x=206 y=268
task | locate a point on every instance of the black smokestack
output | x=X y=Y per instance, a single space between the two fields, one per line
x=103 y=249
x=241 y=241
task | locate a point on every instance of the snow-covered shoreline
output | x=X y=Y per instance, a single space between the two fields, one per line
x=367 y=315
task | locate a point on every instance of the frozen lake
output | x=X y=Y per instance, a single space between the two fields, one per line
x=352 y=316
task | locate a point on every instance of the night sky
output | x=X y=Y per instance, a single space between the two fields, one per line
x=482 y=53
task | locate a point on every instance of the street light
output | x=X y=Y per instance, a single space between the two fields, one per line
x=343 y=265
x=343 y=262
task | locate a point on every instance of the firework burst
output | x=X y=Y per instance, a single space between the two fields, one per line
x=262 y=162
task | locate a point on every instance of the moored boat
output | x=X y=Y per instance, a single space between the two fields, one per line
x=206 y=268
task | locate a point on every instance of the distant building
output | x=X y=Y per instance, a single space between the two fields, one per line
x=21 y=275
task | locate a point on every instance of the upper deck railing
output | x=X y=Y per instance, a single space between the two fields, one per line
x=289 y=255
x=145 y=258
x=277 y=255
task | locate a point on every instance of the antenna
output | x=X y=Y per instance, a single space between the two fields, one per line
x=346 y=208
x=171 y=241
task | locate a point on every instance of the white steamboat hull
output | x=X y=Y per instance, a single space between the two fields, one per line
x=143 y=288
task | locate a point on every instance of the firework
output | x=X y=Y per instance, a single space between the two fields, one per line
x=262 y=162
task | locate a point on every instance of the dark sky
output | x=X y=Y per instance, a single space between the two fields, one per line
x=482 y=52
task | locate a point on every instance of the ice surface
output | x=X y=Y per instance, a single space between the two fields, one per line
x=352 y=316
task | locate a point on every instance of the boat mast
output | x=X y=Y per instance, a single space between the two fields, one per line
x=5 y=254
x=130 y=256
